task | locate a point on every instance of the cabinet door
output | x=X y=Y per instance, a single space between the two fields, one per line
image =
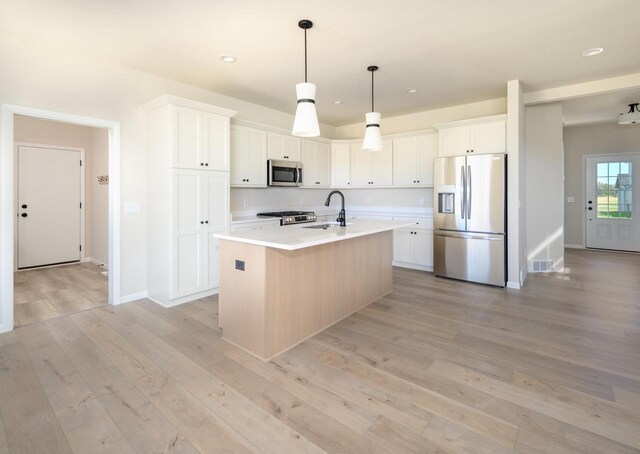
x=284 y=147
x=455 y=141
x=427 y=152
x=340 y=165
x=489 y=137
x=423 y=247
x=187 y=261
x=322 y=167
x=403 y=246
x=239 y=156
x=382 y=165
x=215 y=200
x=405 y=159
x=188 y=138
x=308 y=164
x=256 y=163
x=292 y=148
x=360 y=165
x=215 y=150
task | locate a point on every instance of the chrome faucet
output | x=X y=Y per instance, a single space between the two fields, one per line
x=341 y=216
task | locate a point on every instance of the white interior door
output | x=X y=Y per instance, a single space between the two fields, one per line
x=49 y=212
x=612 y=202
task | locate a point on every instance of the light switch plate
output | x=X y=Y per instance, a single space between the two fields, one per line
x=571 y=199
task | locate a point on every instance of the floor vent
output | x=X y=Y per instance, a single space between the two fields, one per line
x=541 y=266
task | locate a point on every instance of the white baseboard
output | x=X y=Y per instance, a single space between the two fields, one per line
x=184 y=299
x=132 y=297
x=513 y=285
x=97 y=263
x=574 y=246
x=413 y=267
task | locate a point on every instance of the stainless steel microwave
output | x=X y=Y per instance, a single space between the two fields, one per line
x=284 y=173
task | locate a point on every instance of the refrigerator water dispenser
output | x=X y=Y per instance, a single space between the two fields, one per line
x=446 y=202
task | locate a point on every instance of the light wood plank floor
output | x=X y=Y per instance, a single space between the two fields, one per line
x=44 y=293
x=436 y=366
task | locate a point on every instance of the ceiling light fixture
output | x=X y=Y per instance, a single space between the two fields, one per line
x=372 y=137
x=593 y=51
x=306 y=122
x=228 y=58
x=337 y=102
x=632 y=117
x=412 y=90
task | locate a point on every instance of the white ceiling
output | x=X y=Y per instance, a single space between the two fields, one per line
x=603 y=108
x=453 y=51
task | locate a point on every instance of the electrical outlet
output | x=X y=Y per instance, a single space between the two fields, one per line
x=571 y=199
x=131 y=207
x=421 y=201
x=368 y=200
x=245 y=203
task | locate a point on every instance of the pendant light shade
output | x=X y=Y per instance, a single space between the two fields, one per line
x=372 y=137
x=305 y=123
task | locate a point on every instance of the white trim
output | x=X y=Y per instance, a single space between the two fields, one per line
x=513 y=285
x=593 y=87
x=575 y=246
x=165 y=99
x=7 y=112
x=132 y=297
x=412 y=266
x=83 y=189
x=471 y=121
x=105 y=266
x=185 y=299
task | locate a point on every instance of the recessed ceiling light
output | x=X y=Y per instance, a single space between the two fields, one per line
x=337 y=101
x=228 y=58
x=412 y=90
x=592 y=52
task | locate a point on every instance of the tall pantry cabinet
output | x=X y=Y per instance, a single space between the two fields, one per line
x=188 y=197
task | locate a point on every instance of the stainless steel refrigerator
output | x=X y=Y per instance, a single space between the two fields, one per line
x=470 y=218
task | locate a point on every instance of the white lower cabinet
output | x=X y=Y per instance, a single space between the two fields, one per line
x=413 y=246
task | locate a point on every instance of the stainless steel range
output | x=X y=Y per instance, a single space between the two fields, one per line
x=290 y=217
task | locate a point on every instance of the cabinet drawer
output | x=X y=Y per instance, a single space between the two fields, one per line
x=421 y=223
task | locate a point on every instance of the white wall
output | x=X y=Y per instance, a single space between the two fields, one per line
x=427 y=118
x=544 y=184
x=99 y=196
x=56 y=80
x=96 y=144
x=584 y=140
x=296 y=198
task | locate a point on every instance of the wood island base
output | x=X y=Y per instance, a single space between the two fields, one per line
x=281 y=297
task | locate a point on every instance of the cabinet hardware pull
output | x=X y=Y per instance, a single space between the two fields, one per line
x=202 y=163
x=206 y=164
x=201 y=222
x=206 y=222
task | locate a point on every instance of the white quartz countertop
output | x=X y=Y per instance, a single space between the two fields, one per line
x=292 y=237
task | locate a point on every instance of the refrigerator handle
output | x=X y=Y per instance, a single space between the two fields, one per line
x=469 y=192
x=463 y=199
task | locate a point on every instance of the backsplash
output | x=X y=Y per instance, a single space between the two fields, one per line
x=283 y=198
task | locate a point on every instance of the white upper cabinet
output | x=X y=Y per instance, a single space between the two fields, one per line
x=248 y=157
x=478 y=136
x=340 y=165
x=315 y=164
x=371 y=168
x=413 y=159
x=201 y=140
x=283 y=147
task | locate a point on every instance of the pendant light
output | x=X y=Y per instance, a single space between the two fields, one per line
x=306 y=121
x=372 y=137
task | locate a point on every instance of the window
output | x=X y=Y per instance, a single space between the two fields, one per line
x=614 y=190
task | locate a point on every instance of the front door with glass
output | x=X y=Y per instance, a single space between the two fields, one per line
x=612 y=202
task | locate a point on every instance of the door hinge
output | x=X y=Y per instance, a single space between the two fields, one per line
x=81 y=163
x=80 y=205
x=81 y=247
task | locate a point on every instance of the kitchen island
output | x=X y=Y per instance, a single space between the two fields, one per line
x=281 y=285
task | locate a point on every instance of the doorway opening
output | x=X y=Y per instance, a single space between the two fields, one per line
x=60 y=248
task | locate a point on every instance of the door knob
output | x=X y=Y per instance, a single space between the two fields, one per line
x=24 y=215
x=24 y=206
x=590 y=208
x=590 y=201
